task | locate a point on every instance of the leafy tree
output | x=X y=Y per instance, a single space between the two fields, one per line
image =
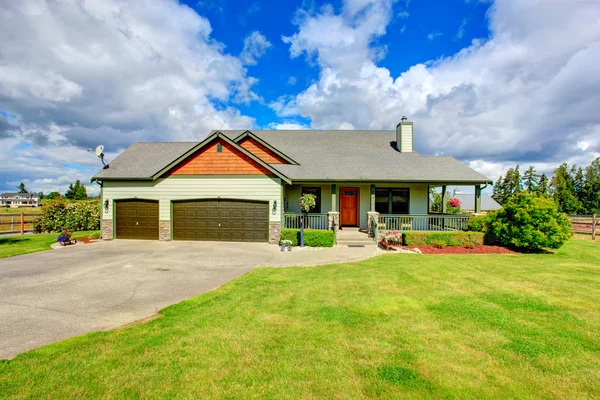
x=76 y=191
x=530 y=222
x=564 y=193
x=42 y=196
x=22 y=188
x=530 y=180
x=54 y=195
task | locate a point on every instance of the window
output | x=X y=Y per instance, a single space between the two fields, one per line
x=392 y=201
x=219 y=148
x=317 y=192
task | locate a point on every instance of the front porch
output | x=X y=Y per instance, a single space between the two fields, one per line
x=388 y=206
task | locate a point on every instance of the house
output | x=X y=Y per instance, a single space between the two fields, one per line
x=15 y=200
x=467 y=202
x=244 y=185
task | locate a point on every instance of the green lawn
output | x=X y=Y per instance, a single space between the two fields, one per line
x=396 y=326
x=17 y=245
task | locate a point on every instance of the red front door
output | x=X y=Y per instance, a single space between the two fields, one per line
x=349 y=207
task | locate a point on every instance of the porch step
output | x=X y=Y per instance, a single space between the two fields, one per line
x=353 y=237
x=355 y=243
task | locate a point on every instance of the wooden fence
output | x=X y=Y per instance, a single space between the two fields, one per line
x=16 y=223
x=585 y=224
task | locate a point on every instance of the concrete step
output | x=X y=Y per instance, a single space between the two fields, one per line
x=351 y=241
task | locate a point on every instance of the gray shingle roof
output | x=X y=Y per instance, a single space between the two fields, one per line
x=144 y=159
x=359 y=155
x=321 y=154
x=467 y=202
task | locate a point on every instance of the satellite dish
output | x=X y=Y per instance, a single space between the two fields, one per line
x=99 y=151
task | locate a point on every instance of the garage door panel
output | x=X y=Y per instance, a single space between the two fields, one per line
x=221 y=220
x=136 y=219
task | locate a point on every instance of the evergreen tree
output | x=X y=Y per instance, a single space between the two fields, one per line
x=499 y=191
x=564 y=193
x=530 y=180
x=542 y=186
x=22 y=188
x=591 y=188
x=578 y=183
x=76 y=191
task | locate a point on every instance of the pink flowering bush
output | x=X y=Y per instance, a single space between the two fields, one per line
x=454 y=202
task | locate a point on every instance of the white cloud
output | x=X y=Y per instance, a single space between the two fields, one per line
x=527 y=94
x=288 y=125
x=255 y=46
x=291 y=80
x=434 y=35
x=462 y=28
x=108 y=72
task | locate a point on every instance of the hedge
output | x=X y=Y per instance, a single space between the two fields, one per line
x=76 y=216
x=442 y=238
x=312 y=237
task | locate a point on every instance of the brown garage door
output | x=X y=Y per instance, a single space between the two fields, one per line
x=222 y=220
x=137 y=219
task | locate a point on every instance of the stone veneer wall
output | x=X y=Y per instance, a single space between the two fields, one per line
x=164 y=230
x=107 y=229
x=274 y=233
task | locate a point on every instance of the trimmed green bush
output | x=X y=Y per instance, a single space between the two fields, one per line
x=312 y=237
x=77 y=216
x=438 y=239
x=479 y=223
x=530 y=222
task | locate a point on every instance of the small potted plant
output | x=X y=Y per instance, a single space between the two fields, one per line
x=286 y=245
x=307 y=202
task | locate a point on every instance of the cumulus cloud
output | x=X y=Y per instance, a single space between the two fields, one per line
x=255 y=46
x=111 y=72
x=528 y=93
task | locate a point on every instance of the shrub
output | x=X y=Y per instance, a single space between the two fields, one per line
x=445 y=238
x=479 y=223
x=530 y=222
x=78 y=216
x=312 y=237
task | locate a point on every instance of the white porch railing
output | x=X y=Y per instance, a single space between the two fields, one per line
x=431 y=222
x=311 y=221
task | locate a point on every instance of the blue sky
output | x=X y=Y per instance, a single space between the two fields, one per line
x=423 y=31
x=492 y=83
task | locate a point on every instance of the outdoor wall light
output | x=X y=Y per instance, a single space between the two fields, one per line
x=106 y=205
x=274 y=207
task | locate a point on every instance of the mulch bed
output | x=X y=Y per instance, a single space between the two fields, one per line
x=484 y=249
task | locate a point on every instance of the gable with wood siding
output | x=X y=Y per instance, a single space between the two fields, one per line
x=219 y=158
x=262 y=152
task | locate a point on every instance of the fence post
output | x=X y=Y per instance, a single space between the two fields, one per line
x=22 y=223
x=12 y=223
x=594 y=224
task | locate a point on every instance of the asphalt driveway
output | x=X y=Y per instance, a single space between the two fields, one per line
x=49 y=296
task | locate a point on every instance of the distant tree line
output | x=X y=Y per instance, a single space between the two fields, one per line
x=76 y=191
x=574 y=189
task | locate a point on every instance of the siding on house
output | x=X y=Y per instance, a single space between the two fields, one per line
x=407 y=138
x=261 y=151
x=417 y=201
x=182 y=187
x=208 y=161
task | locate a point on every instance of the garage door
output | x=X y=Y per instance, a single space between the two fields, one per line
x=221 y=220
x=137 y=219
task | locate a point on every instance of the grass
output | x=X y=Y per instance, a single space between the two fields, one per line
x=16 y=245
x=24 y=210
x=395 y=326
